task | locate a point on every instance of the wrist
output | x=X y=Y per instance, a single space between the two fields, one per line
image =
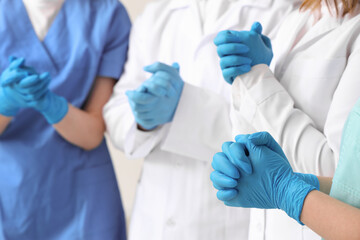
x=295 y=193
x=54 y=108
x=7 y=111
x=310 y=179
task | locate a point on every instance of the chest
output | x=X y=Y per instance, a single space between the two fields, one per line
x=312 y=70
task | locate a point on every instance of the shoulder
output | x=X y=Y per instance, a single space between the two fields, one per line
x=100 y=6
x=108 y=11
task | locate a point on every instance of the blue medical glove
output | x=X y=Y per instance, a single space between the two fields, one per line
x=53 y=107
x=265 y=139
x=11 y=100
x=16 y=71
x=239 y=51
x=272 y=184
x=154 y=103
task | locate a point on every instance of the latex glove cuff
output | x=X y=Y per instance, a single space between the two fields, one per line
x=55 y=108
x=296 y=190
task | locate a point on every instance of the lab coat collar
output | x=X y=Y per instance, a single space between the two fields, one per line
x=176 y=4
x=326 y=24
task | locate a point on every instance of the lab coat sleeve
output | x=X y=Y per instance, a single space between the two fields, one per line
x=120 y=122
x=200 y=126
x=266 y=105
x=117 y=41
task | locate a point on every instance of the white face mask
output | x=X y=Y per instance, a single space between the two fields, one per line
x=44 y=3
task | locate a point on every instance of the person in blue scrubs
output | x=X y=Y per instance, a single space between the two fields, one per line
x=56 y=176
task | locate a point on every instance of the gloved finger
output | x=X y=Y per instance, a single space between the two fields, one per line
x=256 y=27
x=236 y=153
x=35 y=96
x=33 y=89
x=227 y=195
x=142 y=107
x=222 y=180
x=141 y=89
x=172 y=79
x=169 y=82
x=36 y=93
x=147 y=124
x=158 y=66
x=242 y=161
x=222 y=164
x=265 y=139
x=228 y=36
x=166 y=81
x=176 y=66
x=30 y=81
x=218 y=187
x=232 y=49
x=234 y=61
x=244 y=139
x=16 y=62
x=45 y=76
x=29 y=70
x=145 y=115
x=141 y=97
x=230 y=74
x=266 y=41
x=155 y=88
x=13 y=76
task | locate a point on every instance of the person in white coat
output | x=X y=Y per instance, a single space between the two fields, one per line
x=304 y=103
x=174 y=199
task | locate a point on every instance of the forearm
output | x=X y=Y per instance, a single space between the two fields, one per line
x=264 y=102
x=85 y=128
x=330 y=218
x=81 y=128
x=4 y=122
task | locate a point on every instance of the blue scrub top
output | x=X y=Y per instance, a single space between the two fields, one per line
x=50 y=189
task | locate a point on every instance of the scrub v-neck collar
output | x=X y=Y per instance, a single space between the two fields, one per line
x=25 y=33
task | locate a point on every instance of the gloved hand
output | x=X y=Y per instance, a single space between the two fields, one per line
x=272 y=184
x=265 y=139
x=11 y=100
x=239 y=51
x=154 y=103
x=53 y=107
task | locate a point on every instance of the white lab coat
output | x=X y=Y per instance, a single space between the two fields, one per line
x=304 y=105
x=175 y=198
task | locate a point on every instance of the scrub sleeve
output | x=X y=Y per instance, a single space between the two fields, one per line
x=346 y=182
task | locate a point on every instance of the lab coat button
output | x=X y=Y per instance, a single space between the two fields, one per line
x=178 y=164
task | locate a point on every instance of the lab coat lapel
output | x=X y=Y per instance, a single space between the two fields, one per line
x=27 y=43
x=232 y=17
x=229 y=20
x=326 y=24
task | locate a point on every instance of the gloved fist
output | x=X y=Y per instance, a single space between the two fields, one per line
x=272 y=183
x=265 y=139
x=154 y=103
x=13 y=79
x=22 y=87
x=53 y=107
x=239 y=51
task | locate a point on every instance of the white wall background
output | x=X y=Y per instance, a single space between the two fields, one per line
x=128 y=171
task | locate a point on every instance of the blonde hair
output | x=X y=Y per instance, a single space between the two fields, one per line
x=347 y=6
